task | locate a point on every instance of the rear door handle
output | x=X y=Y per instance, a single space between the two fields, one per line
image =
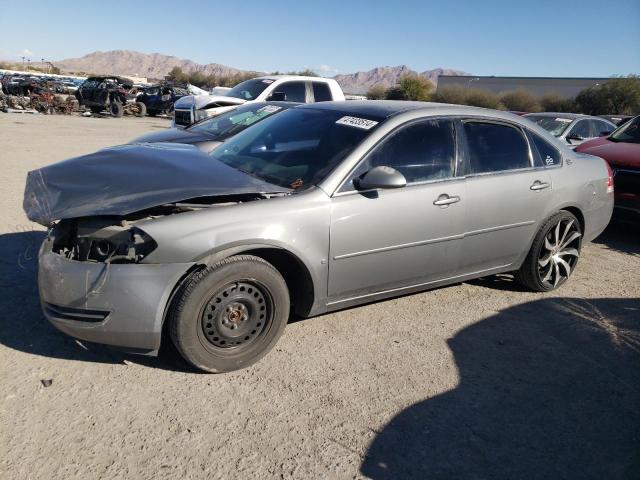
x=538 y=185
x=445 y=199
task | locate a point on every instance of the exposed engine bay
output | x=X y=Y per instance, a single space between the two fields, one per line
x=112 y=239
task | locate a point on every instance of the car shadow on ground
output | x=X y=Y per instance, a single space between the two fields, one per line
x=547 y=389
x=621 y=237
x=24 y=328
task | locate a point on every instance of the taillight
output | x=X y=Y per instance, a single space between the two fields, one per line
x=609 y=178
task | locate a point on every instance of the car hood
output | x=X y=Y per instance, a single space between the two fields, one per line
x=617 y=154
x=174 y=135
x=594 y=142
x=130 y=178
x=202 y=101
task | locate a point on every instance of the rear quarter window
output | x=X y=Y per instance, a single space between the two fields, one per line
x=544 y=154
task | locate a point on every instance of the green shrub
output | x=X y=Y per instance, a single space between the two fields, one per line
x=520 y=101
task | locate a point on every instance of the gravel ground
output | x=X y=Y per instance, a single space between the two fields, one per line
x=477 y=380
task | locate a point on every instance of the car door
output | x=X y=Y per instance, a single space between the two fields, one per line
x=390 y=238
x=506 y=195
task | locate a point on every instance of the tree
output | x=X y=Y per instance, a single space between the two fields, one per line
x=377 y=92
x=622 y=95
x=176 y=75
x=618 y=96
x=411 y=87
x=520 y=101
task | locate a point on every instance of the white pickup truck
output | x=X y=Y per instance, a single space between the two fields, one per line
x=289 y=88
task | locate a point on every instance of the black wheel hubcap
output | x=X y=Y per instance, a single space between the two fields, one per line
x=236 y=315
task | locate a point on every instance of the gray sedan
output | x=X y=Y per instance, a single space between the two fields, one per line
x=318 y=208
x=572 y=128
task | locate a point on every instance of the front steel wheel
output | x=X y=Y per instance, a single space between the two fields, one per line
x=236 y=315
x=229 y=315
x=553 y=255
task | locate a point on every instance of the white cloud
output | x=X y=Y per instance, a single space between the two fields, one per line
x=326 y=69
x=24 y=53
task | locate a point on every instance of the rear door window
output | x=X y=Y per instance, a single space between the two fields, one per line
x=494 y=147
x=582 y=129
x=602 y=127
x=321 y=92
x=293 y=91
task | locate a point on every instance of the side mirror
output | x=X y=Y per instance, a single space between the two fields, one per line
x=381 y=177
x=278 y=97
x=575 y=136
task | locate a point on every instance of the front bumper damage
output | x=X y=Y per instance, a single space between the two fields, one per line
x=116 y=304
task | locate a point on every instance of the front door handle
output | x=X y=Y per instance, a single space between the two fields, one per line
x=538 y=185
x=445 y=199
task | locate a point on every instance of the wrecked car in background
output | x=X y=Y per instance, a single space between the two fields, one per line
x=209 y=133
x=159 y=99
x=110 y=93
x=317 y=208
x=275 y=88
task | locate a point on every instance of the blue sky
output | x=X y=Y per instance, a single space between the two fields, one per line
x=531 y=38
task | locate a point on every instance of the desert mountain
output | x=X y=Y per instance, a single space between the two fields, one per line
x=360 y=82
x=150 y=65
x=156 y=66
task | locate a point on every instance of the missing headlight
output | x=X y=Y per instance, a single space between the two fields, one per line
x=101 y=240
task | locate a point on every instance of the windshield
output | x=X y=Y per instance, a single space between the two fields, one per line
x=231 y=123
x=554 y=125
x=628 y=133
x=249 y=89
x=297 y=148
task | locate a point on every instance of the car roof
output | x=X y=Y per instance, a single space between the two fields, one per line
x=559 y=114
x=104 y=77
x=294 y=77
x=388 y=108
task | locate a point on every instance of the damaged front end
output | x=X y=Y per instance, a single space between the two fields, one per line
x=100 y=240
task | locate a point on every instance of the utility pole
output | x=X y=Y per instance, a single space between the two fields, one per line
x=23 y=62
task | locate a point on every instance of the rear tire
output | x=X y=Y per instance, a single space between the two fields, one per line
x=117 y=110
x=230 y=315
x=554 y=254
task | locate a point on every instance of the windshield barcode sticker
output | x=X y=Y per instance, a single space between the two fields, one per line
x=269 y=109
x=357 y=122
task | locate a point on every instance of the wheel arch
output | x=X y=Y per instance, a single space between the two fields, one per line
x=294 y=270
x=577 y=213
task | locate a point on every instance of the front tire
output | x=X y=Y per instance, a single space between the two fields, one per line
x=554 y=254
x=230 y=315
x=117 y=109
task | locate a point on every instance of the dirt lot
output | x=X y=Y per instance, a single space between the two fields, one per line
x=477 y=380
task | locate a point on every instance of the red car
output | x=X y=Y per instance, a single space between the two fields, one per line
x=622 y=150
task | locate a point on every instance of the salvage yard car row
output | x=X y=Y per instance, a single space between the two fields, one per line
x=304 y=210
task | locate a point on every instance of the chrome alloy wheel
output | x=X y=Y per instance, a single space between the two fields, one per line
x=560 y=252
